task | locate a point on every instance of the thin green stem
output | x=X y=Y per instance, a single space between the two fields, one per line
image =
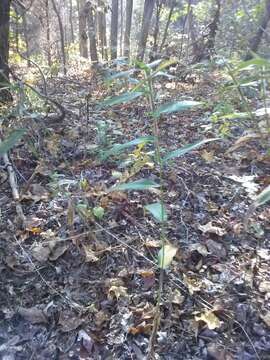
x=156 y=321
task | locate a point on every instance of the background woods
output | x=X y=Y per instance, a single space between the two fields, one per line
x=134 y=179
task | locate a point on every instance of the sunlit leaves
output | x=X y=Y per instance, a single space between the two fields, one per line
x=158 y=211
x=120 y=147
x=142 y=184
x=166 y=255
x=11 y=140
x=186 y=149
x=175 y=106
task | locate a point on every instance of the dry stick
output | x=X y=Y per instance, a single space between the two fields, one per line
x=14 y=188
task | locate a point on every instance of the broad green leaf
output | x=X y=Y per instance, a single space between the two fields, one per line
x=158 y=211
x=186 y=149
x=166 y=255
x=253 y=62
x=175 y=107
x=142 y=184
x=98 y=212
x=123 y=98
x=263 y=197
x=120 y=75
x=154 y=64
x=11 y=140
x=120 y=147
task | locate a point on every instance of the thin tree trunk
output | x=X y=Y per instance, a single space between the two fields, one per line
x=156 y=30
x=114 y=29
x=129 y=10
x=105 y=36
x=167 y=25
x=25 y=33
x=48 y=34
x=256 y=40
x=62 y=36
x=71 y=21
x=82 y=29
x=146 y=22
x=121 y=27
x=92 y=34
x=4 y=47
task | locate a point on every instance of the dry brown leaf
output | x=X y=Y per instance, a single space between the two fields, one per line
x=208 y=156
x=90 y=255
x=212 y=229
x=117 y=291
x=177 y=297
x=34 y=315
x=41 y=253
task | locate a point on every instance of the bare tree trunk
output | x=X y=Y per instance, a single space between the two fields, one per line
x=121 y=27
x=105 y=36
x=71 y=21
x=48 y=34
x=146 y=22
x=26 y=39
x=82 y=29
x=129 y=10
x=92 y=34
x=156 y=30
x=256 y=40
x=62 y=37
x=114 y=29
x=167 y=25
x=4 y=47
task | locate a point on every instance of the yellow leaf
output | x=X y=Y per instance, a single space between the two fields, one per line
x=166 y=255
x=211 y=320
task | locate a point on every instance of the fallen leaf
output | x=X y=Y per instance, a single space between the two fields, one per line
x=34 y=315
x=210 y=319
x=266 y=318
x=86 y=341
x=69 y=322
x=117 y=291
x=200 y=248
x=208 y=156
x=166 y=255
x=210 y=228
x=264 y=286
x=177 y=297
x=90 y=255
x=41 y=253
x=58 y=251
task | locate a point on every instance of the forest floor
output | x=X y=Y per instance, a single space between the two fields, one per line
x=78 y=287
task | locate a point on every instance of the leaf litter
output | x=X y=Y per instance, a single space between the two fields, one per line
x=81 y=280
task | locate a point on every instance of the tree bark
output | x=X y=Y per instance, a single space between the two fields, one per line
x=114 y=29
x=4 y=47
x=256 y=40
x=71 y=21
x=82 y=29
x=48 y=34
x=146 y=22
x=62 y=36
x=167 y=25
x=92 y=34
x=129 y=10
x=156 y=30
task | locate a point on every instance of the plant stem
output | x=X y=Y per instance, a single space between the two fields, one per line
x=156 y=321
